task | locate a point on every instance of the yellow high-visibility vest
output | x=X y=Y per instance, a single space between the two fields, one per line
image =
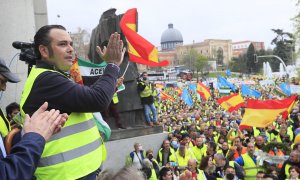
x=4 y=125
x=250 y=167
x=76 y=151
x=147 y=91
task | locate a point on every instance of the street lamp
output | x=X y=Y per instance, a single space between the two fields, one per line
x=256 y=58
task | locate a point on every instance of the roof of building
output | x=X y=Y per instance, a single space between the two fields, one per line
x=171 y=35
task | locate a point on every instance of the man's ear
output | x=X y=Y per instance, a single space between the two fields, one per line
x=44 y=51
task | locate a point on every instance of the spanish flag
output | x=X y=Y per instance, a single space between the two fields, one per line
x=165 y=96
x=140 y=50
x=178 y=90
x=158 y=85
x=261 y=113
x=232 y=102
x=203 y=91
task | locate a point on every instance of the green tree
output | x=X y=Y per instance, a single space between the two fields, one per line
x=238 y=64
x=201 y=65
x=250 y=58
x=284 y=47
x=189 y=58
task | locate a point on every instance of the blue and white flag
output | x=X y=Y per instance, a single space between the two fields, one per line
x=285 y=88
x=186 y=97
x=245 y=90
x=193 y=87
x=224 y=82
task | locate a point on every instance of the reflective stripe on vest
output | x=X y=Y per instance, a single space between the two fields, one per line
x=250 y=167
x=147 y=91
x=74 y=152
x=69 y=155
x=76 y=128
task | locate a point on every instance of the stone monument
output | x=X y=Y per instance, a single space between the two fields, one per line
x=130 y=108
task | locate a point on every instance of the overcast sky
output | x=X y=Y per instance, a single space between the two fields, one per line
x=197 y=20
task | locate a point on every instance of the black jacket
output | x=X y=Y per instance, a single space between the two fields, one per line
x=63 y=94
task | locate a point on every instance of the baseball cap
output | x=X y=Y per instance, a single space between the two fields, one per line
x=4 y=71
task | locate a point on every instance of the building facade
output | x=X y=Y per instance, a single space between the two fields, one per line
x=215 y=49
x=19 y=21
x=241 y=47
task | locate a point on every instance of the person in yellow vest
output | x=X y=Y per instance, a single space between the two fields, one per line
x=224 y=149
x=5 y=76
x=113 y=108
x=155 y=98
x=145 y=90
x=196 y=173
x=78 y=150
x=183 y=155
x=222 y=164
x=155 y=165
x=166 y=154
x=249 y=163
x=294 y=160
x=148 y=169
x=237 y=149
x=199 y=150
x=282 y=133
x=19 y=161
x=271 y=133
x=259 y=142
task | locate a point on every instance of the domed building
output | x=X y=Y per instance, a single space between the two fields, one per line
x=170 y=38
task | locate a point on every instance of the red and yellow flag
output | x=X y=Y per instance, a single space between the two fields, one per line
x=158 y=85
x=232 y=102
x=203 y=91
x=140 y=50
x=178 y=90
x=165 y=96
x=75 y=72
x=261 y=113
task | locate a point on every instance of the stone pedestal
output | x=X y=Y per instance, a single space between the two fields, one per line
x=120 y=145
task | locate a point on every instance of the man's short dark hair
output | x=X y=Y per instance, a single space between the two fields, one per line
x=12 y=106
x=42 y=37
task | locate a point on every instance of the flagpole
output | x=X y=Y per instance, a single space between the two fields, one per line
x=126 y=69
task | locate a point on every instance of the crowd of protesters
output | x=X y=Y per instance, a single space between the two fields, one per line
x=206 y=142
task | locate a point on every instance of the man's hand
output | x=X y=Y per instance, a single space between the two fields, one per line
x=45 y=123
x=114 y=52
